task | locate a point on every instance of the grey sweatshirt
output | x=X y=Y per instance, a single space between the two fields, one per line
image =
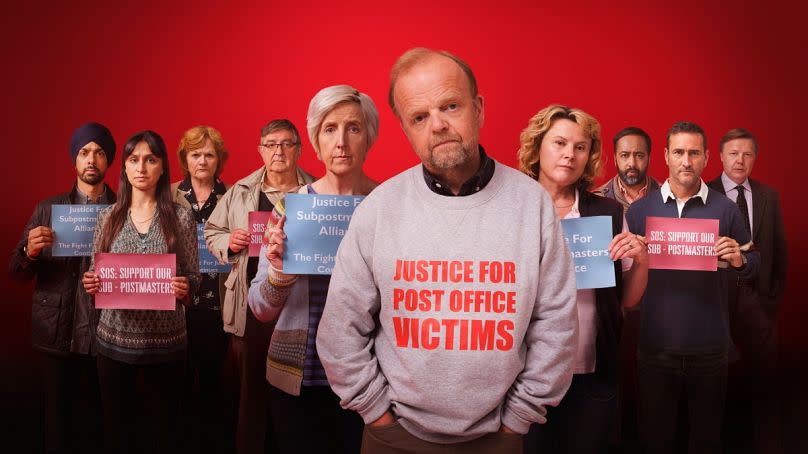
x=456 y=313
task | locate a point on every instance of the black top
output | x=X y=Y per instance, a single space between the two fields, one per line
x=607 y=300
x=208 y=295
x=63 y=318
x=474 y=184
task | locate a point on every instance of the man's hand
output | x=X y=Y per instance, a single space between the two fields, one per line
x=628 y=245
x=239 y=239
x=504 y=429
x=90 y=282
x=38 y=239
x=728 y=250
x=386 y=420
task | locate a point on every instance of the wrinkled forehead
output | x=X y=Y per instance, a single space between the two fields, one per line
x=686 y=141
x=742 y=145
x=279 y=135
x=428 y=79
x=631 y=143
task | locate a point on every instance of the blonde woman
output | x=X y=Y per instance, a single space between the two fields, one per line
x=561 y=149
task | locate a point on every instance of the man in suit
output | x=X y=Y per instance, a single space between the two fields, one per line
x=753 y=303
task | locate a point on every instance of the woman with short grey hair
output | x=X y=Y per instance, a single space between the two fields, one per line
x=342 y=124
x=327 y=99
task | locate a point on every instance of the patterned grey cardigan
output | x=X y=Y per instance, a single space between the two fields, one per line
x=147 y=336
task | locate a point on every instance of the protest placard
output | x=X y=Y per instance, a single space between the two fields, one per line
x=207 y=262
x=73 y=227
x=135 y=281
x=315 y=225
x=681 y=243
x=588 y=239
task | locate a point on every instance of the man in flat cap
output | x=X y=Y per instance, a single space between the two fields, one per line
x=63 y=319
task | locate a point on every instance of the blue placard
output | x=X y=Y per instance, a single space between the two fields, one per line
x=207 y=262
x=315 y=225
x=73 y=227
x=588 y=239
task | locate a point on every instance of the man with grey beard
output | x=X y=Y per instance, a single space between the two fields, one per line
x=632 y=153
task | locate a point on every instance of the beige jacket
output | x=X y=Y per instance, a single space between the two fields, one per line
x=231 y=213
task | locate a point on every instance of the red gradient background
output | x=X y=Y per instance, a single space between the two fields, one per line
x=145 y=65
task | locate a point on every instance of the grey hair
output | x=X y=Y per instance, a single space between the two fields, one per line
x=327 y=99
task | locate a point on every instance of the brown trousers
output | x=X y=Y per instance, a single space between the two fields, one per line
x=394 y=439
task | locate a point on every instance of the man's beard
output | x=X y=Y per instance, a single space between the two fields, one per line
x=451 y=155
x=631 y=181
x=91 y=179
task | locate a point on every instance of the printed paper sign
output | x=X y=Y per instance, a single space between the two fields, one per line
x=315 y=225
x=681 y=243
x=73 y=227
x=588 y=239
x=135 y=281
x=258 y=224
x=207 y=261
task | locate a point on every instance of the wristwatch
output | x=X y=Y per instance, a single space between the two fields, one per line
x=743 y=262
x=27 y=255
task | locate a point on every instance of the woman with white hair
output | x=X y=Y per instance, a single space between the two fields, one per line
x=342 y=124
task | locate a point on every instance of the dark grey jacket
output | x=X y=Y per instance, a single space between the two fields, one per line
x=63 y=318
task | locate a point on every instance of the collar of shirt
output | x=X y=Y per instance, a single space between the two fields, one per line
x=730 y=185
x=84 y=199
x=271 y=190
x=626 y=195
x=474 y=184
x=667 y=195
x=186 y=187
x=574 y=212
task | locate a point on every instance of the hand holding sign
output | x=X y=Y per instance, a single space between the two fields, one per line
x=628 y=245
x=728 y=250
x=180 y=286
x=239 y=239
x=276 y=239
x=91 y=282
x=38 y=238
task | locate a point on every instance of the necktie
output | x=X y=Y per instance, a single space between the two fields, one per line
x=741 y=201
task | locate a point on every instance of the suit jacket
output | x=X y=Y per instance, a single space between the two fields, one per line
x=769 y=237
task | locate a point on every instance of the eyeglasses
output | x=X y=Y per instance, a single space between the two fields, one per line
x=272 y=146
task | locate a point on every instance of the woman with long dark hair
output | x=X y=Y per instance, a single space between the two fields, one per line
x=141 y=353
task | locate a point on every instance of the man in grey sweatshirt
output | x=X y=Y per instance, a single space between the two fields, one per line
x=450 y=320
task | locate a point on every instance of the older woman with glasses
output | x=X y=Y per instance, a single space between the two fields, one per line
x=342 y=124
x=561 y=148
